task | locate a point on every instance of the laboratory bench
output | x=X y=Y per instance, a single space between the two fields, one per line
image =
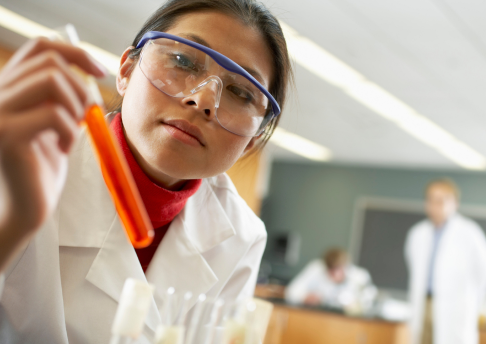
x=291 y=324
x=295 y=325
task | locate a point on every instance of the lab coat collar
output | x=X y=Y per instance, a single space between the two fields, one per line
x=204 y=219
x=179 y=260
x=450 y=222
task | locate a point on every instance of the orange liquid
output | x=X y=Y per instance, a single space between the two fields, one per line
x=119 y=180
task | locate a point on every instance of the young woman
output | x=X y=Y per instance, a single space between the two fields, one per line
x=200 y=87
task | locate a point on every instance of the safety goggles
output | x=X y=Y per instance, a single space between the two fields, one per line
x=179 y=68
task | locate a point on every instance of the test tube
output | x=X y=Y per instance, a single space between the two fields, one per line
x=263 y=313
x=192 y=329
x=250 y=337
x=186 y=304
x=132 y=310
x=114 y=166
x=211 y=328
x=240 y=324
x=171 y=332
x=119 y=180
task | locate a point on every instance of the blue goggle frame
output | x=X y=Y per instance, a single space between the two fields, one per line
x=220 y=59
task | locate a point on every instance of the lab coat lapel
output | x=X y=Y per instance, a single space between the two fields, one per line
x=424 y=256
x=179 y=261
x=205 y=220
x=115 y=262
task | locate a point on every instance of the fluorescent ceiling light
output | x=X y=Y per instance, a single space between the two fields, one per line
x=107 y=59
x=299 y=145
x=21 y=25
x=30 y=29
x=318 y=61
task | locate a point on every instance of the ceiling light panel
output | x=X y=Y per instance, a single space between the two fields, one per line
x=299 y=145
x=329 y=68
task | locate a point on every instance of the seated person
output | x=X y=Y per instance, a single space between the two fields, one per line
x=331 y=281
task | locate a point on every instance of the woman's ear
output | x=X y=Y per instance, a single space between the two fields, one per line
x=123 y=76
x=251 y=144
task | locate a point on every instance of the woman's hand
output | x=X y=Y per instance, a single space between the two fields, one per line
x=41 y=103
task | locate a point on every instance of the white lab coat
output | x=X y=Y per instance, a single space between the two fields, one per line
x=315 y=279
x=459 y=279
x=66 y=284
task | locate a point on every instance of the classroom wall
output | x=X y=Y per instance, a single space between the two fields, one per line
x=318 y=201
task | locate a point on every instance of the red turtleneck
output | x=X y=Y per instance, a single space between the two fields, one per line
x=162 y=205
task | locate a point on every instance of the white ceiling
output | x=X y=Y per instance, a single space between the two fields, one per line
x=431 y=54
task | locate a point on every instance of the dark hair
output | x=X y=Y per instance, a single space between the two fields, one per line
x=252 y=14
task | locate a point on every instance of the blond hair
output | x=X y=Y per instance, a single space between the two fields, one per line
x=447 y=184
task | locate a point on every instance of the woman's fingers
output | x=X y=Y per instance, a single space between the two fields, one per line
x=48 y=85
x=48 y=143
x=41 y=102
x=72 y=55
x=48 y=59
x=24 y=127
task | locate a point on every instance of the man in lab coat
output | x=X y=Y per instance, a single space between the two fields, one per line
x=446 y=258
x=331 y=281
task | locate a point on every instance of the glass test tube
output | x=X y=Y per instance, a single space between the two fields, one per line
x=192 y=329
x=211 y=329
x=240 y=323
x=119 y=180
x=170 y=331
x=114 y=166
x=132 y=310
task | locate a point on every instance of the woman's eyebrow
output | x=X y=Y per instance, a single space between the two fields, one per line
x=255 y=74
x=196 y=39
x=201 y=41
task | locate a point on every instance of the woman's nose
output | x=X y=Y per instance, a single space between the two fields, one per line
x=206 y=96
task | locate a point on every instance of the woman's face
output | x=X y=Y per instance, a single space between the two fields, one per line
x=165 y=153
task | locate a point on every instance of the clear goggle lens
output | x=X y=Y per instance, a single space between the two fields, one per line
x=179 y=70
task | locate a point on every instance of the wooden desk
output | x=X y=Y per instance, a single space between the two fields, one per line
x=293 y=325
x=290 y=325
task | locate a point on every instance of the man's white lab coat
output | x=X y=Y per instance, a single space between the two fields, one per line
x=459 y=279
x=66 y=284
x=315 y=279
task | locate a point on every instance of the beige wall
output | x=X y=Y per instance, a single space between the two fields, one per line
x=245 y=175
x=4 y=56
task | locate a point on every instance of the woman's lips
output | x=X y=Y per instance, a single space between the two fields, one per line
x=185 y=132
